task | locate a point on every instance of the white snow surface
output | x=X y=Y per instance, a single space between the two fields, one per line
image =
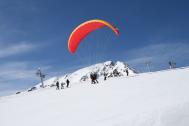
x=148 y=99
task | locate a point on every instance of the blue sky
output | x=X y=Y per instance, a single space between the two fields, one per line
x=34 y=33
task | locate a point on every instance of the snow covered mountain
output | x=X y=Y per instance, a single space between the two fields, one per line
x=148 y=99
x=82 y=75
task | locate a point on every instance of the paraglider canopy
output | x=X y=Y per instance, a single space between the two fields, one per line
x=80 y=32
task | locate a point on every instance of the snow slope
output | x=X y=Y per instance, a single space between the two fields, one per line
x=83 y=75
x=148 y=99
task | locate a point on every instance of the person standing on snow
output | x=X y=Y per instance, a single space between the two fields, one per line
x=62 y=85
x=105 y=76
x=67 y=83
x=95 y=78
x=92 y=78
x=116 y=73
x=57 y=85
x=127 y=71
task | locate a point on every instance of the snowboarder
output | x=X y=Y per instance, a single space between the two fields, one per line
x=67 y=83
x=127 y=71
x=57 y=85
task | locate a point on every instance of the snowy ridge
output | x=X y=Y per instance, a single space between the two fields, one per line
x=83 y=75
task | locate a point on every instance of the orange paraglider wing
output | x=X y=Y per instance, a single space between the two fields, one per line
x=80 y=32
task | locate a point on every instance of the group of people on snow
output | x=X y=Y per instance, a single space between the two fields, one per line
x=94 y=77
x=61 y=86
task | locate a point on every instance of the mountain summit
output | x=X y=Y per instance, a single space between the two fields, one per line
x=83 y=75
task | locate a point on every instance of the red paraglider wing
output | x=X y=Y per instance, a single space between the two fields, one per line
x=84 y=29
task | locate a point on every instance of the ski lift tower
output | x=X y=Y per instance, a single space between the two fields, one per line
x=41 y=75
x=172 y=64
x=148 y=64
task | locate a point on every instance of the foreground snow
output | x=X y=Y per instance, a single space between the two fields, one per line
x=149 y=99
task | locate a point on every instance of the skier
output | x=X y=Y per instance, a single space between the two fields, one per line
x=57 y=85
x=127 y=71
x=67 y=83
